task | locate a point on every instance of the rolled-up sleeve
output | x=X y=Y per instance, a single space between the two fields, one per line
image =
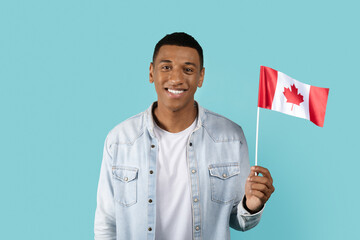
x=104 y=224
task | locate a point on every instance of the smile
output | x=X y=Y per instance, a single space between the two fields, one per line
x=175 y=91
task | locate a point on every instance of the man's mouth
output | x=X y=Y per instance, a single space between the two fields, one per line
x=173 y=91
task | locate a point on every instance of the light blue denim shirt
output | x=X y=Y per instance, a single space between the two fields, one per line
x=218 y=162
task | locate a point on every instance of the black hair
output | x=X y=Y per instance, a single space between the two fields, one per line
x=180 y=39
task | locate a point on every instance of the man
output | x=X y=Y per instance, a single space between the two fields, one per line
x=178 y=171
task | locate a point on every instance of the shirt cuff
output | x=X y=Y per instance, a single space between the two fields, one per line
x=242 y=211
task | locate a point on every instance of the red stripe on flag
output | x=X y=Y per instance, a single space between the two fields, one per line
x=317 y=104
x=267 y=86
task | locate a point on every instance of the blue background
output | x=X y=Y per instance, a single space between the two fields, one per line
x=71 y=70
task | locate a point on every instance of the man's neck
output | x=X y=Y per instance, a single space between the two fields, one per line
x=174 y=121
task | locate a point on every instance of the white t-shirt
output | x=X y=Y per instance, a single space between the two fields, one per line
x=173 y=198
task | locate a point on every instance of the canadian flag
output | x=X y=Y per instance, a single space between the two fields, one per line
x=281 y=93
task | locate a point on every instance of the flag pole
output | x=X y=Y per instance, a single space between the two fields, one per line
x=257 y=133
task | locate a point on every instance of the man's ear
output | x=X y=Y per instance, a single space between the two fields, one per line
x=151 y=72
x=201 y=79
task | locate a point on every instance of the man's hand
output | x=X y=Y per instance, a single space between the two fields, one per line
x=258 y=189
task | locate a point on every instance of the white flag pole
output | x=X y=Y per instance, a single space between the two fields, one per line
x=257 y=133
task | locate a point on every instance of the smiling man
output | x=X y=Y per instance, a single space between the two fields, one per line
x=178 y=171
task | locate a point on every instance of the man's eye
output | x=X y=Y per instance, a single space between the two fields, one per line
x=165 y=67
x=188 y=70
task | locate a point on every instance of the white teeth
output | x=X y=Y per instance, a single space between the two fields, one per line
x=175 y=91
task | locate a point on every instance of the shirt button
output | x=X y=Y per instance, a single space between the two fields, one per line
x=224 y=175
x=197 y=228
x=195 y=200
x=193 y=171
x=152 y=145
x=151 y=171
x=125 y=178
x=150 y=229
x=150 y=200
x=190 y=144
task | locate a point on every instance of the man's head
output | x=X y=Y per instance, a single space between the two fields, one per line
x=180 y=39
x=177 y=71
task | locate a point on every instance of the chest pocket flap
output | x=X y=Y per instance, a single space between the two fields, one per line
x=125 y=174
x=224 y=171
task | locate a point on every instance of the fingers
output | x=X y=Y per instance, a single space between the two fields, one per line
x=264 y=189
x=263 y=198
x=261 y=180
x=260 y=184
x=260 y=187
x=264 y=171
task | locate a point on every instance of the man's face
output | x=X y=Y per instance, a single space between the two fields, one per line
x=176 y=73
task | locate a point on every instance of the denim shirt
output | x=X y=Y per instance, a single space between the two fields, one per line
x=218 y=163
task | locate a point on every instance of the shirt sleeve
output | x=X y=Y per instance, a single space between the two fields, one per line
x=240 y=218
x=104 y=224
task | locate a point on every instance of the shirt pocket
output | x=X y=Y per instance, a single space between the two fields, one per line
x=224 y=181
x=125 y=185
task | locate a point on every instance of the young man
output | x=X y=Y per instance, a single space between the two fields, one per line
x=178 y=171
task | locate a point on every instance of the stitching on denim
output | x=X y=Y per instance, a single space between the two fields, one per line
x=127 y=169
x=221 y=139
x=221 y=165
x=198 y=190
x=224 y=164
x=122 y=202
x=213 y=194
x=213 y=179
x=131 y=142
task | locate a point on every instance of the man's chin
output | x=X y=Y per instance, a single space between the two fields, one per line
x=175 y=107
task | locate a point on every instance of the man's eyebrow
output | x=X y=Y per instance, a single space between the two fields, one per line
x=166 y=61
x=169 y=61
x=190 y=63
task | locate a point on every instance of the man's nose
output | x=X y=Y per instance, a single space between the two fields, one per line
x=176 y=77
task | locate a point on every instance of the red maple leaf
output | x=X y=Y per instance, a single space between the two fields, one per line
x=292 y=96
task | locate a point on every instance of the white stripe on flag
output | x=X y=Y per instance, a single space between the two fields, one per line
x=280 y=103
